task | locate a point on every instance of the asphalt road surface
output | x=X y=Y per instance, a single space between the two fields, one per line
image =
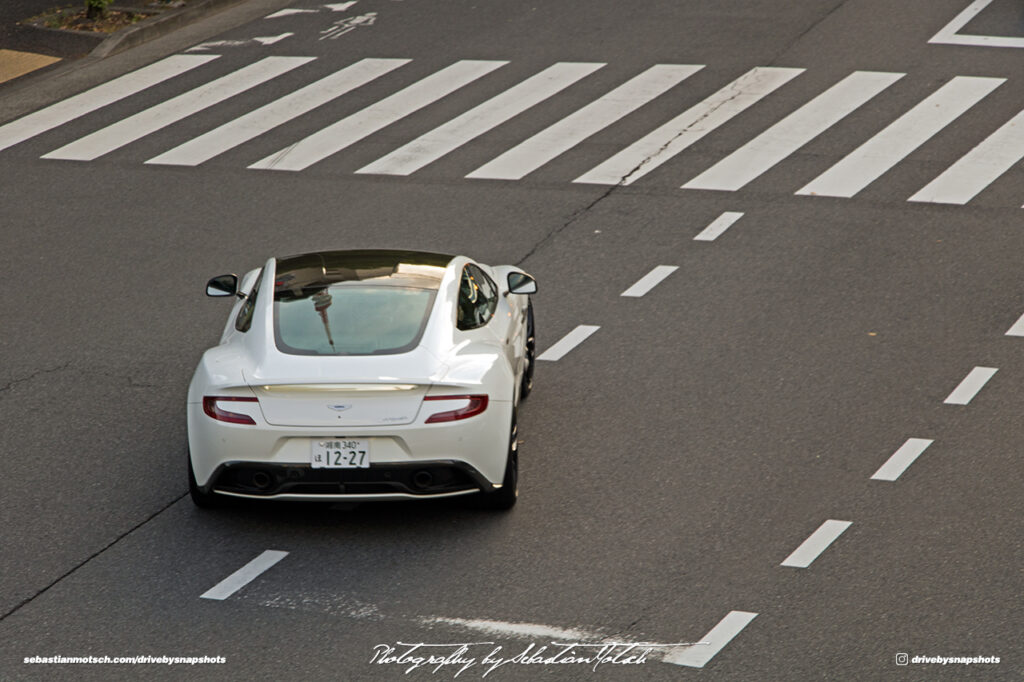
x=795 y=444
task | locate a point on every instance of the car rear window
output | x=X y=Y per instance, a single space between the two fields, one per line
x=351 y=318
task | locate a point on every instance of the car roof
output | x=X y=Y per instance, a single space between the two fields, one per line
x=295 y=276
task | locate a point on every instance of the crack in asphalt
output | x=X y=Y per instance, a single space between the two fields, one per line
x=735 y=86
x=625 y=178
x=128 y=381
x=92 y=556
x=623 y=631
x=33 y=375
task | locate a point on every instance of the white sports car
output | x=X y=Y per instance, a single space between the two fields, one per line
x=364 y=375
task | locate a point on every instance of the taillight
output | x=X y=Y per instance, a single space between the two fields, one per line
x=477 y=404
x=212 y=409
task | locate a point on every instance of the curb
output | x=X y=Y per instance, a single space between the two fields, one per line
x=159 y=25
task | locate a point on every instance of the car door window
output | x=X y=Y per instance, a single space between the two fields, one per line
x=478 y=298
x=244 y=319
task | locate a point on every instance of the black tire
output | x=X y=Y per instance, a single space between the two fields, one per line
x=531 y=354
x=505 y=497
x=199 y=498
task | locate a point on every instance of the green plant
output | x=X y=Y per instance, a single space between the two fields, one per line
x=94 y=9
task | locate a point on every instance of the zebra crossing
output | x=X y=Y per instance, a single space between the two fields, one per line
x=877 y=155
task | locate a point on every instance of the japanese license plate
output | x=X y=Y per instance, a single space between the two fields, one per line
x=340 y=454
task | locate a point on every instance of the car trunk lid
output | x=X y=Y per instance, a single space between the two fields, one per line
x=348 y=391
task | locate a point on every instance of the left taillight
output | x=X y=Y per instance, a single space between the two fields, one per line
x=477 y=404
x=214 y=407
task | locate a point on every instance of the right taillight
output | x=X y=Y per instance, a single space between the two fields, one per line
x=477 y=404
x=212 y=406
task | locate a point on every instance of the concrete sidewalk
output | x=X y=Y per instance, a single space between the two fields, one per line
x=30 y=40
x=28 y=49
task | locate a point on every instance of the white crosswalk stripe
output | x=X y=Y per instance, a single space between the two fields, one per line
x=255 y=123
x=570 y=131
x=868 y=163
x=979 y=168
x=883 y=151
x=477 y=121
x=793 y=132
x=350 y=130
x=112 y=91
x=175 y=109
x=646 y=154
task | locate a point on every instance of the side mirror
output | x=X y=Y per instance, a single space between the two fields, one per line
x=521 y=283
x=222 y=285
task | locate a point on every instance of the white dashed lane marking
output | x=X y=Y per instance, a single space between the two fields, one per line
x=718 y=226
x=568 y=342
x=969 y=387
x=901 y=459
x=1017 y=329
x=698 y=655
x=804 y=555
x=649 y=281
x=243 y=576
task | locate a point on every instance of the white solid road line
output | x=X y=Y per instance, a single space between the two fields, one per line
x=278 y=112
x=1017 y=329
x=654 y=149
x=718 y=226
x=245 y=575
x=794 y=131
x=978 y=168
x=446 y=138
x=804 y=555
x=530 y=155
x=698 y=655
x=883 y=151
x=901 y=459
x=969 y=387
x=351 y=129
x=164 y=114
x=949 y=34
x=73 y=107
x=568 y=342
x=649 y=281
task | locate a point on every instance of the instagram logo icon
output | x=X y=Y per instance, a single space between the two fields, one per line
x=902 y=659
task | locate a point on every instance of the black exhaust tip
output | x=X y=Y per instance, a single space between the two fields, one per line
x=261 y=480
x=422 y=479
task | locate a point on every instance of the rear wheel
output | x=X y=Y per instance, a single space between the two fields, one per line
x=505 y=497
x=199 y=498
x=531 y=351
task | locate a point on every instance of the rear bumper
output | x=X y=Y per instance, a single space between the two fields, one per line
x=479 y=444
x=412 y=480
